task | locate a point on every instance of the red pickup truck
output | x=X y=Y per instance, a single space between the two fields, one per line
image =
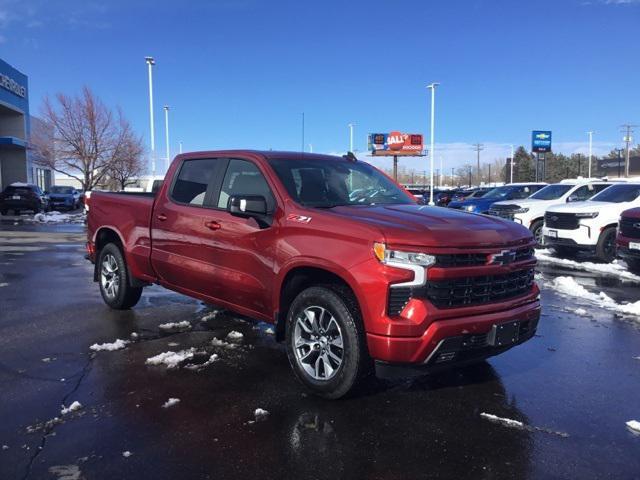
x=337 y=256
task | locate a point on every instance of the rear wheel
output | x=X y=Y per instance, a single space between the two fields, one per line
x=326 y=343
x=536 y=230
x=606 y=247
x=114 y=279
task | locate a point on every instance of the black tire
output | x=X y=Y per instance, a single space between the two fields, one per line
x=113 y=278
x=633 y=264
x=356 y=364
x=536 y=230
x=606 y=247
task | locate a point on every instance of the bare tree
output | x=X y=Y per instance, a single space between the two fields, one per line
x=82 y=138
x=127 y=163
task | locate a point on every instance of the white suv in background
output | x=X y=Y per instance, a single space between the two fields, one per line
x=530 y=211
x=591 y=225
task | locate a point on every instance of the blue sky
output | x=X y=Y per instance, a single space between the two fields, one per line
x=238 y=73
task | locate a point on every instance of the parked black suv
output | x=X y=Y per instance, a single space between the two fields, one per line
x=23 y=196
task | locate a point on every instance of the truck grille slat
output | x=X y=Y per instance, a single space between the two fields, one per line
x=477 y=259
x=398 y=299
x=628 y=227
x=561 y=221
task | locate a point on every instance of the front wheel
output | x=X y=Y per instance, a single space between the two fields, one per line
x=114 y=279
x=326 y=342
x=606 y=247
x=536 y=230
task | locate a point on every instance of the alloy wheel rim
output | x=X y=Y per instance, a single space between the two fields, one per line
x=110 y=276
x=318 y=343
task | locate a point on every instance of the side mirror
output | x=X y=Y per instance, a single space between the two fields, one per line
x=572 y=198
x=249 y=206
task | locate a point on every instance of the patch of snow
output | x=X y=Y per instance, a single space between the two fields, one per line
x=171 y=402
x=4 y=284
x=76 y=405
x=568 y=286
x=260 y=414
x=507 y=422
x=634 y=426
x=580 y=311
x=270 y=331
x=171 y=359
x=210 y=316
x=173 y=344
x=234 y=336
x=109 y=347
x=5 y=447
x=134 y=336
x=636 y=358
x=216 y=342
x=66 y=472
x=213 y=358
x=615 y=268
x=175 y=326
x=45 y=360
x=57 y=217
x=127 y=454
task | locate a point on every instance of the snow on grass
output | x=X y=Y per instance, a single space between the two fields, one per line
x=175 y=326
x=126 y=454
x=260 y=414
x=234 y=336
x=171 y=402
x=569 y=287
x=634 y=426
x=171 y=359
x=109 y=347
x=616 y=269
x=507 y=422
x=71 y=408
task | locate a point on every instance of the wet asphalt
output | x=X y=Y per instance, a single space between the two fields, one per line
x=572 y=387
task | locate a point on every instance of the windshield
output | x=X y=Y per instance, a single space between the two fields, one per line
x=552 y=192
x=499 y=192
x=330 y=183
x=618 y=194
x=65 y=190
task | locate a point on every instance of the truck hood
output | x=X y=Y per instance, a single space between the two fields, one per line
x=586 y=206
x=60 y=196
x=435 y=226
x=632 y=213
x=525 y=202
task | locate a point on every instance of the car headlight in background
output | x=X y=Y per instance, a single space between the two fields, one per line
x=469 y=208
x=586 y=214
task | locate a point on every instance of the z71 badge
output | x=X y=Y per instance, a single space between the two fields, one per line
x=298 y=218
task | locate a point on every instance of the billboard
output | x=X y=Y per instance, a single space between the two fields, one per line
x=395 y=143
x=541 y=141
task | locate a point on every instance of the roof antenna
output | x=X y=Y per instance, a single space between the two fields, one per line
x=350 y=156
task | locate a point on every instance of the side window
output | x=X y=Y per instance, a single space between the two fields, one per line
x=524 y=192
x=244 y=178
x=599 y=187
x=583 y=193
x=191 y=185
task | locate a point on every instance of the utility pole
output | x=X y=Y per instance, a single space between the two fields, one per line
x=150 y=63
x=590 y=151
x=351 y=125
x=478 y=147
x=619 y=151
x=628 y=131
x=166 y=135
x=432 y=86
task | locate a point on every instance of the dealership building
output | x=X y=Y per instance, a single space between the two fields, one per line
x=16 y=160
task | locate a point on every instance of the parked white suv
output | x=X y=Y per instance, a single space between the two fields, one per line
x=590 y=225
x=530 y=211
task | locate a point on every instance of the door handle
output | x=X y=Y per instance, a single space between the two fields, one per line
x=212 y=225
x=162 y=217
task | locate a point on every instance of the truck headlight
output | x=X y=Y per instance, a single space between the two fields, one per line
x=586 y=214
x=387 y=256
x=469 y=208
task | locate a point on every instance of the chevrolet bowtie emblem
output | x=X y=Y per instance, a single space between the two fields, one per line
x=505 y=257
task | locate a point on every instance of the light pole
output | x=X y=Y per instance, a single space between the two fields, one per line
x=310 y=148
x=590 y=151
x=166 y=134
x=432 y=86
x=351 y=125
x=180 y=147
x=150 y=63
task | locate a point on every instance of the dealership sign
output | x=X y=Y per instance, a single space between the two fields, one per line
x=541 y=141
x=395 y=143
x=14 y=87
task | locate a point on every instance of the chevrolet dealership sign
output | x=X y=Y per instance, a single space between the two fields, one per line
x=541 y=141
x=14 y=87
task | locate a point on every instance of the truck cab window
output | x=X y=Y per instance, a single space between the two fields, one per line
x=192 y=182
x=244 y=178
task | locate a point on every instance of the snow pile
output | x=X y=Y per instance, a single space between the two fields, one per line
x=260 y=414
x=71 y=408
x=634 y=426
x=615 y=268
x=4 y=284
x=5 y=447
x=234 y=336
x=171 y=402
x=109 y=347
x=175 y=326
x=126 y=454
x=210 y=316
x=57 y=217
x=171 y=359
x=568 y=286
x=270 y=331
x=216 y=342
x=507 y=422
x=580 y=311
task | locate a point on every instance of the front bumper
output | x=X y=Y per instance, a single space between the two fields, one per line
x=624 y=251
x=453 y=340
x=585 y=237
x=11 y=204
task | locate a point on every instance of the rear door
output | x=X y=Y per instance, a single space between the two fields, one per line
x=184 y=243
